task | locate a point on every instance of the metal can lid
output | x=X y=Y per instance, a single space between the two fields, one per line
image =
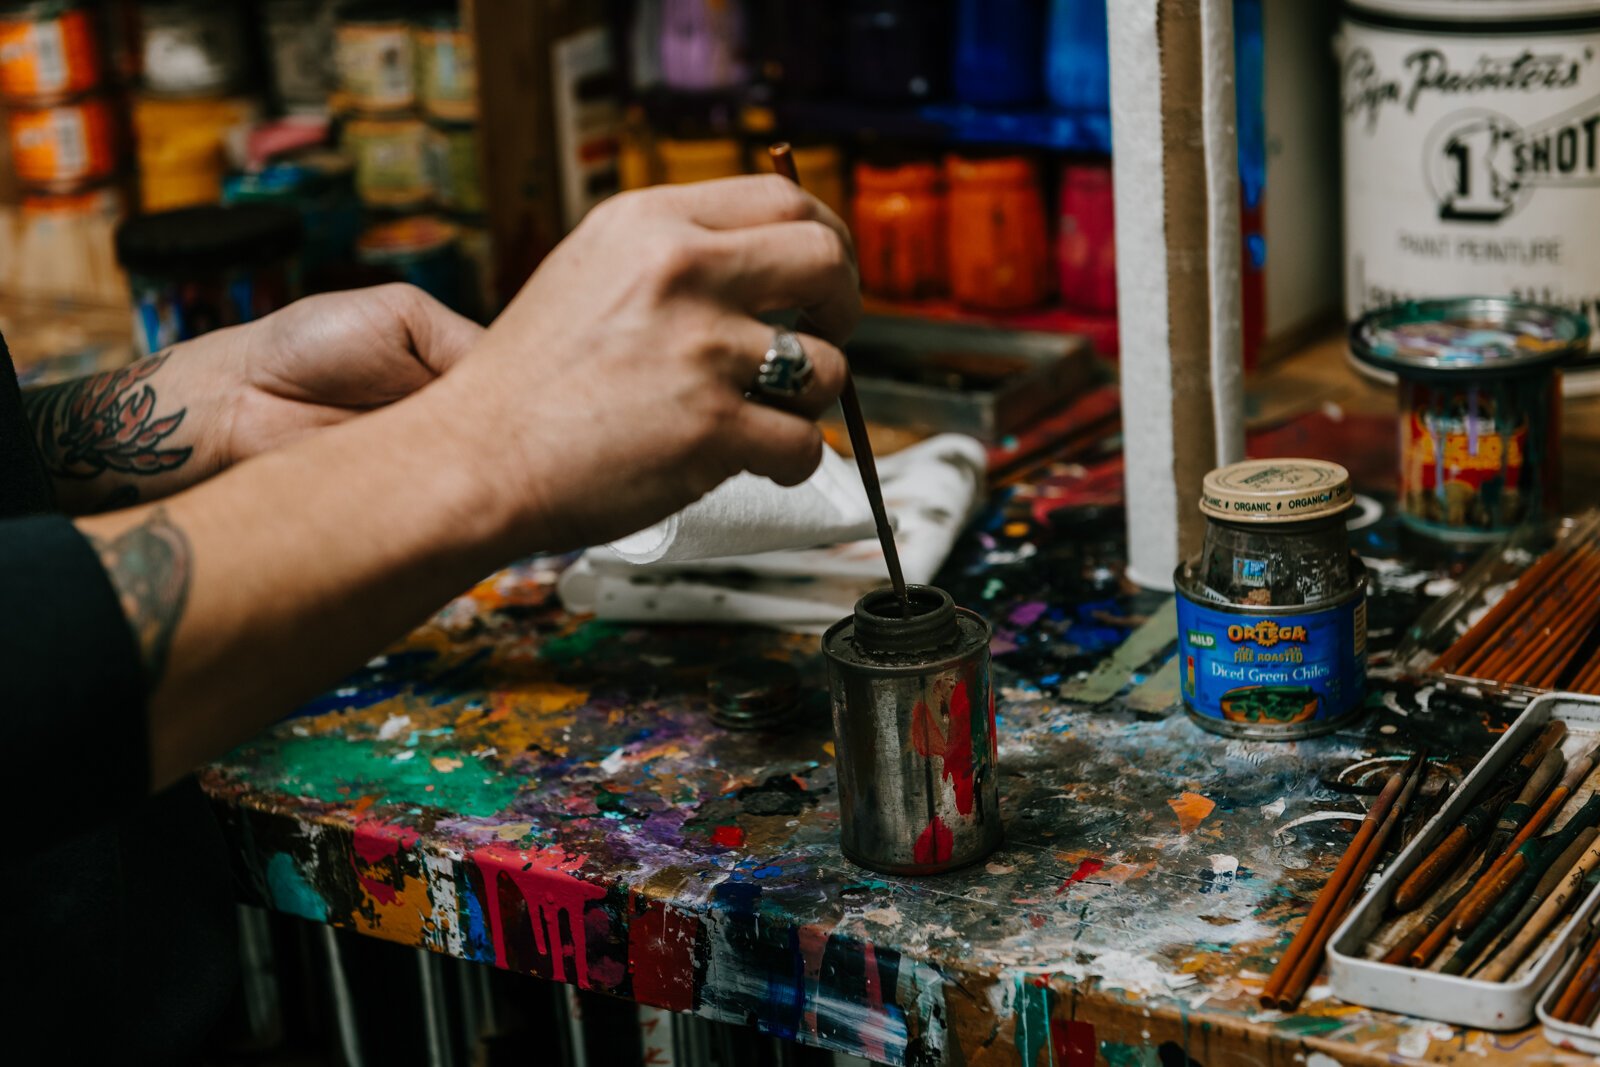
x=1478 y=335
x=1276 y=490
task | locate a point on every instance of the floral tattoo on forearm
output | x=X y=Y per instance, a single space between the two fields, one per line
x=106 y=422
x=149 y=566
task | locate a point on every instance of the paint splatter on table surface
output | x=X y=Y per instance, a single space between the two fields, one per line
x=548 y=794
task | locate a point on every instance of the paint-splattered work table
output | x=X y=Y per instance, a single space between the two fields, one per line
x=547 y=794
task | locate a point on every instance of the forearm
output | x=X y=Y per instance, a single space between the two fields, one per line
x=268 y=583
x=134 y=434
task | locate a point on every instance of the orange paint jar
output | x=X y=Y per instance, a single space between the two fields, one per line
x=999 y=239
x=70 y=142
x=48 y=49
x=899 y=224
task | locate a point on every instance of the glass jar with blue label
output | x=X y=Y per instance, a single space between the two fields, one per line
x=1272 y=617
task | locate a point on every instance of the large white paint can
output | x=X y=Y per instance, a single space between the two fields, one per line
x=1472 y=153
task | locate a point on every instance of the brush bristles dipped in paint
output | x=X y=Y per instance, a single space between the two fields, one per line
x=856 y=424
x=1301 y=960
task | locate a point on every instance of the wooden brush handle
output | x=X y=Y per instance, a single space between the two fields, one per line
x=1420 y=882
x=1564 y=1009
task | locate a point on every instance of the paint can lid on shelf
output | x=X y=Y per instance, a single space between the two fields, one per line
x=404 y=238
x=195 y=240
x=1260 y=491
x=1479 y=335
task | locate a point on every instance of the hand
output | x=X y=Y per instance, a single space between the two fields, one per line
x=617 y=376
x=328 y=358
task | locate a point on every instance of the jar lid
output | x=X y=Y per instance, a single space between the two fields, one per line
x=1493 y=335
x=1479 y=10
x=402 y=238
x=699 y=150
x=895 y=178
x=997 y=169
x=372 y=12
x=195 y=240
x=1276 y=490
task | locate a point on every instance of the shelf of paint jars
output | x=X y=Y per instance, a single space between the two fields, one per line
x=753 y=113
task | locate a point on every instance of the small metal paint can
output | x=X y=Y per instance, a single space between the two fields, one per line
x=913 y=721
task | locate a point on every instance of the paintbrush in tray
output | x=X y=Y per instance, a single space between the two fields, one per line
x=1569 y=1006
x=1555 y=894
x=856 y=424
x=1478 y=821
x=1504 y=902
x=1303 y=958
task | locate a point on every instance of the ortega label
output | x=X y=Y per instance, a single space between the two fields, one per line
x=1272 y=674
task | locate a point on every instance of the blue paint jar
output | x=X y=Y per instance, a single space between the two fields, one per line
x=998 y=54
x=1272 y=618
x=1078 y=64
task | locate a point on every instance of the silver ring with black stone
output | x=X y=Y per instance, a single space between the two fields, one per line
x=786 y=371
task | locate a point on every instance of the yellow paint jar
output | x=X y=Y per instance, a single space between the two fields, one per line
x=699 y=160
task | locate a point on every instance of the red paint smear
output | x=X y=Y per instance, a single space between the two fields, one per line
x=661 y=943
x=934 y=844
x=728 y=836
x=376 y=840
x=551 y=890
x=382 y=892
x=871 y=1041
x=813 y=943
x=958 y=747
x=1075 y=1044
x=1085 y=870
x=954 y=746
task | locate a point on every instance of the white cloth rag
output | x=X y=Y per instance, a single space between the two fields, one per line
x=794 y=559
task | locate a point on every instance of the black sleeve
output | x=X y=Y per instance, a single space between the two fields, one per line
x=71 y=684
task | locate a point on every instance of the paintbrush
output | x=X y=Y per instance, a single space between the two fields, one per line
x=1420 y=882
x=856 y=424
x=1505 y=903
x=1517 y=813
x=1311 y=960
x=1507 y=842
x=1424 y=942
x=1473 y=825
x=1532 y=854
x=1555 y=892
x=1330 y=890
x=1582 y=975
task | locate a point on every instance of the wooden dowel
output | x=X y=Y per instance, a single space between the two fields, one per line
x=1503 y=655
x=1490 y=651
x=1532 y=579
x=1548 y=662
x=1310 y=961
x=1307 y=934
x=1566 y=630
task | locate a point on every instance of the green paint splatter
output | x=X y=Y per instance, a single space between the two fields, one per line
x=1308 y=1024
x=291 y=892
x=1033 y=1021
x=1119 y=1055
x=335 y=770
x=579 y=643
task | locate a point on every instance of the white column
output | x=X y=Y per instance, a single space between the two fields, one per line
x=1175 y=162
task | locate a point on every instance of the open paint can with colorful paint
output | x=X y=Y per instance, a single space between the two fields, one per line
x=1480 y=408
x=913 y=720
x=1272 y=615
